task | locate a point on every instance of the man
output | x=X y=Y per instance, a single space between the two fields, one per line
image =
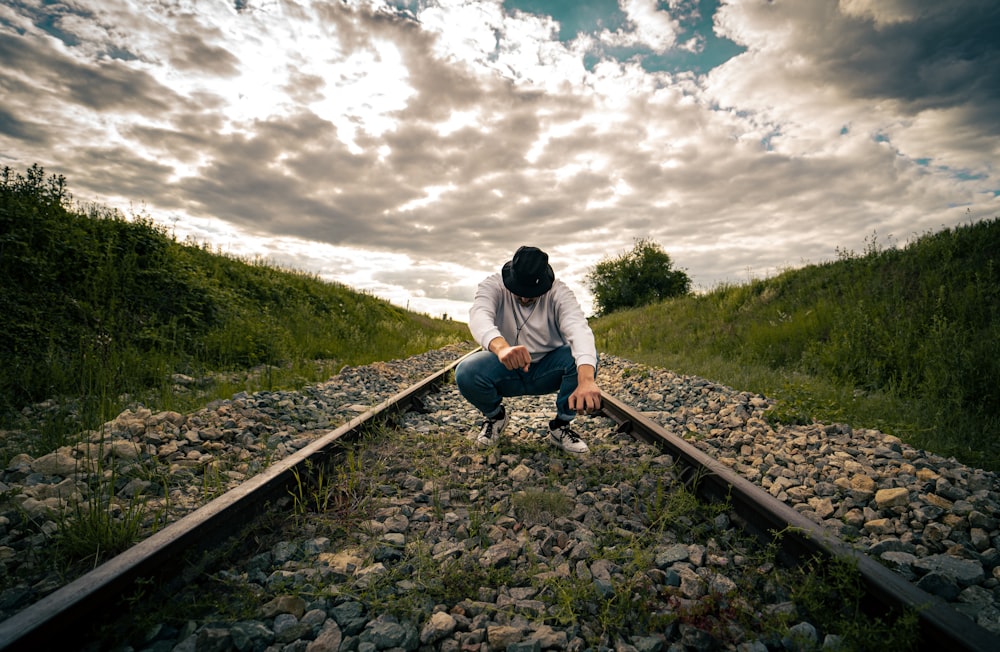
x=536 y=341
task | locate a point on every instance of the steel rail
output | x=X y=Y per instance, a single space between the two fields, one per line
x=47 y=623
x=941 y=627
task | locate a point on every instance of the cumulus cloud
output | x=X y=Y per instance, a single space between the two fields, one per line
x=884 y=12
x=409 y=151
x=646 y=25
x=869 y=66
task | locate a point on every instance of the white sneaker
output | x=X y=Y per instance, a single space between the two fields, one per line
x=491 y=430
x=566 y=439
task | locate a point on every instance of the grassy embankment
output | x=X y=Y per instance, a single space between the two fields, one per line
x=903 y=340
x=105 y=310
x=100 y=312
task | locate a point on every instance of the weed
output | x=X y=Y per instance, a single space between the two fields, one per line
x=99 y=528
x=310 y=492
x=831 y=592
x=478 y=531
x=213 y=482
x=541 y=506
x=567 y=596
x=100 y=524
x=353 y=483
x=428 y=581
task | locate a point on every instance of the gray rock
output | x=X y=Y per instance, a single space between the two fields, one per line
x=964 y=572
x=250 y=635
x=801 y=636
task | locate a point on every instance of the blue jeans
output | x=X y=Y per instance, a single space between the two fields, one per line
x=484 y=381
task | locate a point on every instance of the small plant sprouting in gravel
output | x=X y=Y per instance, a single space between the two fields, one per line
x=342 y=487
x=540 y=506
x=311 y=491
x=213 y=480
x=98 y=529
x=100 y=525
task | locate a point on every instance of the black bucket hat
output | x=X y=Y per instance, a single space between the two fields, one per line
x=529 y=274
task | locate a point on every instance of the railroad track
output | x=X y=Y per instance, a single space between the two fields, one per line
x=941 y=627
x=44 y=624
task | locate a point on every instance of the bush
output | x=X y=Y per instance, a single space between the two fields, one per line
x=636 y=278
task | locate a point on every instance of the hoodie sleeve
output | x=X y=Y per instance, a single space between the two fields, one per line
x=573 y=326
x=483 y=313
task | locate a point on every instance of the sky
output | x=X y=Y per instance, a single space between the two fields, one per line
x=408 y=148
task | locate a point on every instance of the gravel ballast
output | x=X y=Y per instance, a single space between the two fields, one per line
x=540 y=529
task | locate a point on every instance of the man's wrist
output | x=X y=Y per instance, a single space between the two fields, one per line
x=498 y=344
x=586 y=372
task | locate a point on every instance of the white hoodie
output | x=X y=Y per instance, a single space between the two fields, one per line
x=555 y=320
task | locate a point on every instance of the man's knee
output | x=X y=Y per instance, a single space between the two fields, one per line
x=475 y=365
x=460 y=373
x=465 y=373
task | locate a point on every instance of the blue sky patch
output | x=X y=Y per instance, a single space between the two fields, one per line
x=593 y=16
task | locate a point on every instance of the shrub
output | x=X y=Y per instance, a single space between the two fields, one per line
x=636 y=278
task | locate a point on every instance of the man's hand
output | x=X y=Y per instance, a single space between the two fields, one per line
x=514 y=357
x=587 y=396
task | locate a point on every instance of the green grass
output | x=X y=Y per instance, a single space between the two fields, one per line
x=601 y=611
x=99 y=312
x=832 y=592
x=906 y=341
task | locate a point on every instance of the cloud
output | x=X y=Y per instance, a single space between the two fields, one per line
x=409 y=152
x=850 y=65
x=654 y=28
x=23 y=130
x=884 y=12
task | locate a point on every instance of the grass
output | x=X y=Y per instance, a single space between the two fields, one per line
x=336 y=502
x=103 y=312
x=98 y=529
x=832 y=592
x=342 y=487
x=101 y=523
x=100 y=312
x=906 y=341
x=541 y=505
x=410 y=587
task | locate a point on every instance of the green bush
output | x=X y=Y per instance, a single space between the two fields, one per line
x=636 y=278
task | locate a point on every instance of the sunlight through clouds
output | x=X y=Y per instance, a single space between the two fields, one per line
x=364 y=92
x=408 y=147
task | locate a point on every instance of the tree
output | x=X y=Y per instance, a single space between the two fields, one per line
x=636 y=278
